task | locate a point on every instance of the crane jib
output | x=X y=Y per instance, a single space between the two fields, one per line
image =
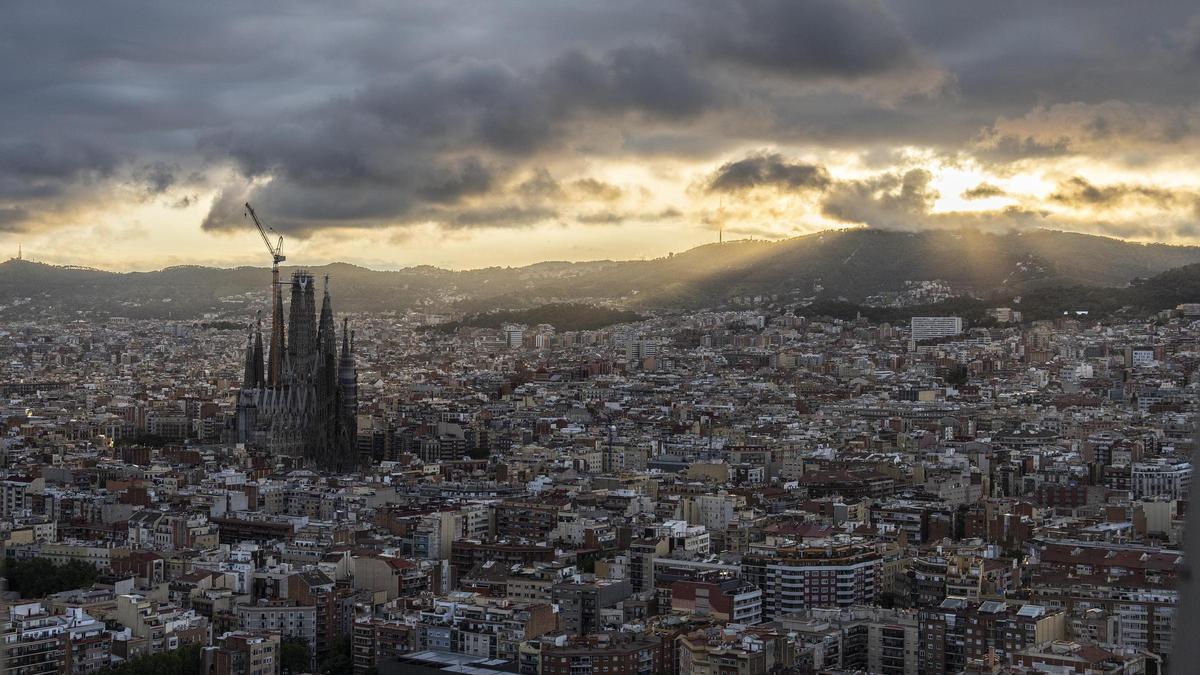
x=276 y=250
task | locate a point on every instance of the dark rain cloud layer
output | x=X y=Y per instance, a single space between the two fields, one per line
x=768 y=169
x=375 y=114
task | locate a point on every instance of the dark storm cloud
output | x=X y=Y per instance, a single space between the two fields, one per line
x=819 y=38
x=653 y=81
x=1010 y=148
x=403 y=137
x=891 y=200
x=376 y=114
x=1185 y=47
x=1077 y=191
x=31 y=169
x=372 y=114
x=540 y=185
x=983 y=191
x=469 y=103
x=768 y=169
x=11 y=218
x=155 y=179
x=905 y=200
x=449 y=107
x=618 y=217
x=590 y=188
x=501 y=216
x=453 y=183
x=601 y=218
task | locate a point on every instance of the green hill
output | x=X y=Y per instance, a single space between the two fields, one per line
x=563 y=316
x=844 y=265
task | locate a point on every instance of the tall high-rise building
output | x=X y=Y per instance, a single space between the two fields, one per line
x=514 y=336
x=930 y=327
x=307 y=408
x=636 y=350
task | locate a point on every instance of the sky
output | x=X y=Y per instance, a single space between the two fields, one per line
x=506 y=132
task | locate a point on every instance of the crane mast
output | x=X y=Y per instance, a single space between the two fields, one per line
x=275 y=358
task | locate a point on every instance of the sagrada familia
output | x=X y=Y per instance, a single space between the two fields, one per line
x=301 y=400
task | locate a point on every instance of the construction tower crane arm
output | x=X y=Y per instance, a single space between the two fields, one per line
x=276 y=250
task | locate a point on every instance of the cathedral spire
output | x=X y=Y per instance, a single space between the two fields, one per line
x=278 y=344
x=302 y=334
x=325 y=333
x=347 y=382
x=259 y=375
x=248 y=373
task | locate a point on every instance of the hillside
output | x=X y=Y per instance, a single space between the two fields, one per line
x=845 y=264
x=1143 y=297
x=856 y=263
x=563 y=316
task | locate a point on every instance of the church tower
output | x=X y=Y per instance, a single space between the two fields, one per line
x=278 y=345
x=254 y=377
x=348 y=395
x=305 y=406
x=302 y=331
x=325 y=450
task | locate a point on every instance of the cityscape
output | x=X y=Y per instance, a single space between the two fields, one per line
x=746 y=489
x=696 y=337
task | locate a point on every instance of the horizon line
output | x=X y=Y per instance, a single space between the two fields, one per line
x=24 y=257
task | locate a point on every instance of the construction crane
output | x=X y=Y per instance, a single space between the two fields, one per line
x=275 y=358
x=277 y=255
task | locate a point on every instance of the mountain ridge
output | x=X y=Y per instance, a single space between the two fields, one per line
x=834 y=264
x=601 y=261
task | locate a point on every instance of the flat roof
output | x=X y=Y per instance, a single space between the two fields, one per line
x=453 y=662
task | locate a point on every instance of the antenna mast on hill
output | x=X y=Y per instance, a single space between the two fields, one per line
x=721 y=221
